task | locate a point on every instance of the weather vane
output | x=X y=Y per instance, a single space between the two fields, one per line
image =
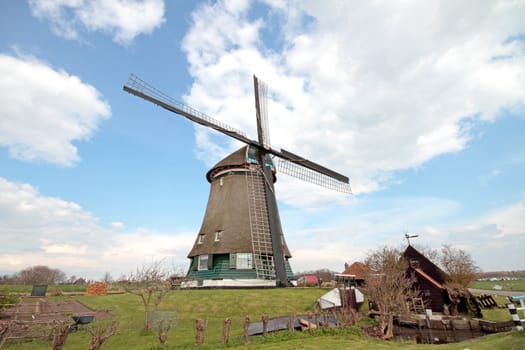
x=408 y=236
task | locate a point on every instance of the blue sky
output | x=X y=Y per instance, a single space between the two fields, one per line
x=422 y=105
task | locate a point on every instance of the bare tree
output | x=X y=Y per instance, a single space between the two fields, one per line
x=163 y=331
x=151 y=283
x=100 y=333
x=40 y=274
x=60 y=332
x=5 y=331
x=388 y=286
x=459 y=266
x=107 y=278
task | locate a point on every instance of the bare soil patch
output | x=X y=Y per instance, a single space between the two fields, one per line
x=34 y=317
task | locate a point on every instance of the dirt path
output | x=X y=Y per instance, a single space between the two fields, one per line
x=503 y=293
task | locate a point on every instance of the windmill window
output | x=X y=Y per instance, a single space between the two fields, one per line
x=203 y=262
x=201 y=239
x=218 y=235
x=244 y=261
x=241 y=261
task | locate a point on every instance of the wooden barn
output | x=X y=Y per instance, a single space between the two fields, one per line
x=430 y=279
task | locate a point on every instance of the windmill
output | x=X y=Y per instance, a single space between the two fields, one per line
x=241 y=222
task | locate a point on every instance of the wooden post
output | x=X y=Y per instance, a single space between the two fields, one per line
x=245 y=330
x=515 y=317
x=264 y=319
x=226 y=323
x=199 y=332
x=291 y=322
x=309 y=316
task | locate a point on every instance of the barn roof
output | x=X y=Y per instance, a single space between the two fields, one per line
x=308 y=279
x=417 y=260
x=429 y=279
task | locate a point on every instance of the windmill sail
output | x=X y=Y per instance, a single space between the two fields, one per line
x=140 y=88
x=306 y=174
x=261 y=111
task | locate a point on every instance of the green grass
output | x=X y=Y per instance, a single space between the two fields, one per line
x=15 y=288
x=499 y=314
x=51 y=289
x=215 y=305
x=514 y=285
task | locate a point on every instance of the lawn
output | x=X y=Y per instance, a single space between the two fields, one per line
x=183 y=307
x=512 y=285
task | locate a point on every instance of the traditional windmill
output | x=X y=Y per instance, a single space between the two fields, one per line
x=241 y=238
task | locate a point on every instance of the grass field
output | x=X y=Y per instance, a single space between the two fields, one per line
x=514 y=285
x=215 y=305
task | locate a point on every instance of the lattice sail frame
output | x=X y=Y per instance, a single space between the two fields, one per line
x=311 y=176
x=135 y=83
x=262 y=90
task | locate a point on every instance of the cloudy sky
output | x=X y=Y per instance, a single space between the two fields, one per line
x=421 y=104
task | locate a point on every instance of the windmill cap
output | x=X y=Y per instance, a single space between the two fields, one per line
x=235 y=160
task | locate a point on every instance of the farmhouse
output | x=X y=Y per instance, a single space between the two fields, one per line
x=358 y=270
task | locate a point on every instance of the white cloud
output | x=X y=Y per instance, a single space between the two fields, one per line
x=365 y=88
x=124 y=19
x=484 y=179
x=37 y=229
x=45 y=230
x=495 y=239
x=67 y=249
x=510 y=220
x=45 y=110
x=117 y=225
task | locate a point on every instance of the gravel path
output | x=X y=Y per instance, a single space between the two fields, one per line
x=504 y=293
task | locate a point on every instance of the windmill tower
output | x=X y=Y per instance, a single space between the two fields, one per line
x=241 y=242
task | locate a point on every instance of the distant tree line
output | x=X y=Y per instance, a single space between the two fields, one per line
x=38 y=274
x=41 y=274
x=502 y=274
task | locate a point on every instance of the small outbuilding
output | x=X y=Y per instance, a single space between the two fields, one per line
x=430 y=279
x=307 y=280
x=431 y=283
